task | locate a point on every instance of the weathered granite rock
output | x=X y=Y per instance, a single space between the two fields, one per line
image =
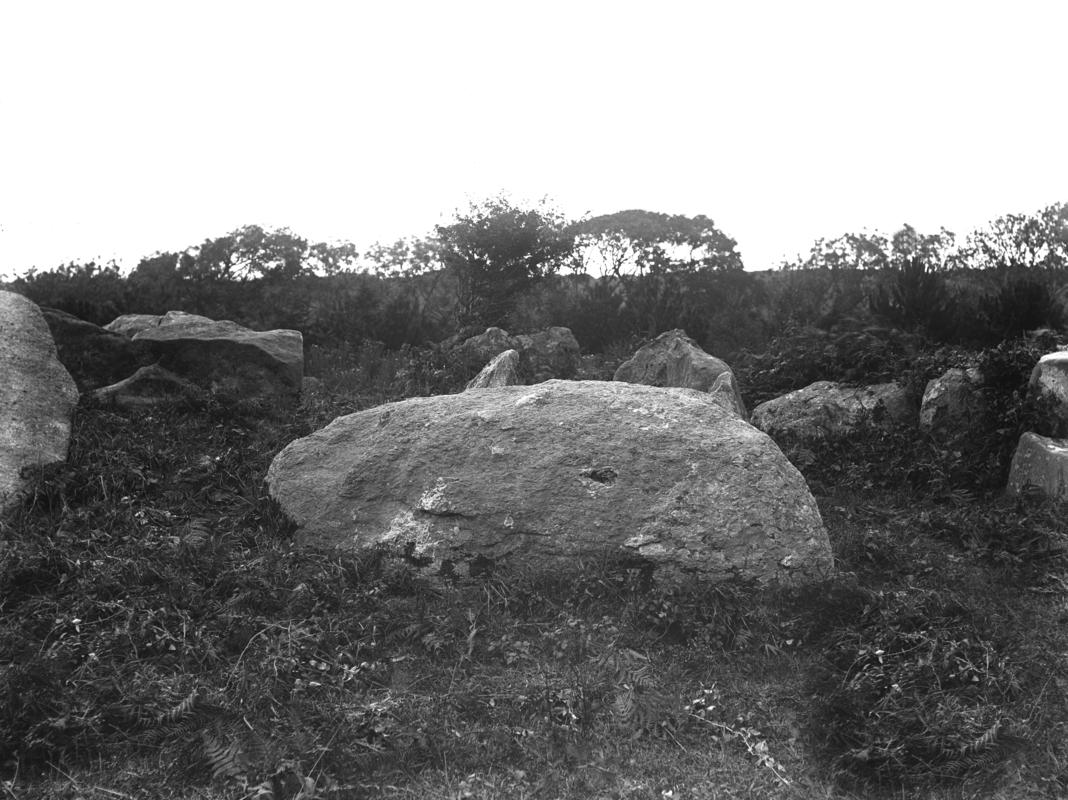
x=503 y=370
x=1040 y=463
x=228 y=358
x=132 y=324
x=674 y=359
x=546 y=475
x=827 y=410
x=552 y=353
x=93 y=355
x=147 y=387
x=951 y=401
x=37 y=396
x=483 y=347
x=1050 y=378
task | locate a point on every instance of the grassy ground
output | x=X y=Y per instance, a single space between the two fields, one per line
x=161 y=637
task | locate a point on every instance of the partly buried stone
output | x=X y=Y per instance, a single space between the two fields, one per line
x=951 y=401
x=827 y=410
x=503 y=370
x=485 y=346
x=551 y=353
x=147 y=387
x=94 y=356
x=37 y=396
x=674 y=359
x=1049 y=378
x=228 y=358
x=1040 y=464
x=548 y=475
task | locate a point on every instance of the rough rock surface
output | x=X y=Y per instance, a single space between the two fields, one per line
x=228 y=358
x=827 y=410
x=37 y=396
x=552 y=353
x=951 y=400
x=548 y=474
x=132 y=324
x=503 y=370
x=147 y=387
x=483 y=347
x=1041 y=463
x=674 y=359
x=1050 y=377
x=93 y=355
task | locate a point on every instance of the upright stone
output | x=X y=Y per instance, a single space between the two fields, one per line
x=674 y=359
x=550 y=474
x=503 y=370
x=37 y=396
x=951 y=401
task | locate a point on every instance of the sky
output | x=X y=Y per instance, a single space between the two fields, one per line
x=128 y=128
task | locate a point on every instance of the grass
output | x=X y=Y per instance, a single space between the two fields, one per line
x=160 y=636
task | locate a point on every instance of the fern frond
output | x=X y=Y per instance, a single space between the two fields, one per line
x=225 y=755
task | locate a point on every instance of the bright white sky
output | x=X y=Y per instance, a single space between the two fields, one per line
x=127 y=128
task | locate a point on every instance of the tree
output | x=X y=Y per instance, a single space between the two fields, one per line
x=650 y=243
x=252 y=252
x=1021 y=241
x=496 y=250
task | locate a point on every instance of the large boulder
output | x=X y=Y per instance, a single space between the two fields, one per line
x=674 y=359
x=37 y=396
x=1041 y=464
x=1049 y=378
x=828 y=410
x=951 y=401
x=227 y=358
x=483 y=347
x=550 y=474
x=93 y=355
x=503 y=370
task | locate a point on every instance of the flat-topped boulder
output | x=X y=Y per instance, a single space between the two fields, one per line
x=550 y=474
x=222 y=356
x=674 y=359
x=828 y=410
x=1040 y=464
x=37 y=396
x=1049 y=378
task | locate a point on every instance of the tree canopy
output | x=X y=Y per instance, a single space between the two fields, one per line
x=650 y=243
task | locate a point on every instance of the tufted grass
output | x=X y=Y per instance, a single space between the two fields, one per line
x=160 y=636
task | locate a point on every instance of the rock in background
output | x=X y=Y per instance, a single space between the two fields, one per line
x=828 y=410
x=94 y=356
x=503 y=370
x=549 y=474
x=37 y=396
x=674 y=359
x=951 y=401
x=552 y=353
x=1041 y=464
x=222 y=356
